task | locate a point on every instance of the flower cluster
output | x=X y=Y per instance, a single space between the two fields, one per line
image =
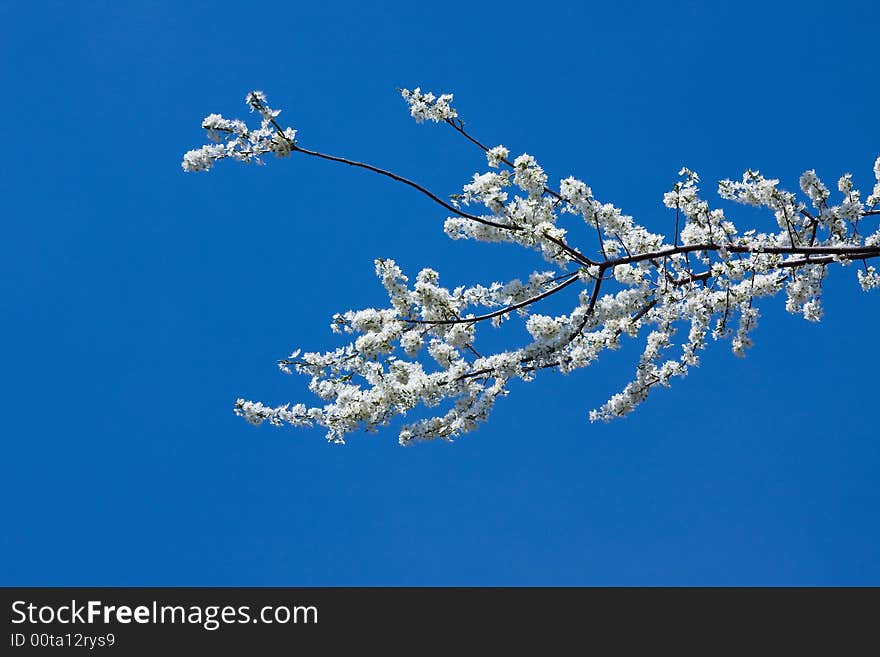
x=874 y=199
x=703 y=282
x=496 y=156
x=233 y=139
x=428 y=106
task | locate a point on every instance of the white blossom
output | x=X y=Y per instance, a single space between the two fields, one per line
x=428 y=106
x=235 y=141
x=814 y=188
x=874 y=198
x=496 y=155
x=528 y=175
x=869 y=279
x=577 y=194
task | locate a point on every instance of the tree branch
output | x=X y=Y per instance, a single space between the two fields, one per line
x=497 y=313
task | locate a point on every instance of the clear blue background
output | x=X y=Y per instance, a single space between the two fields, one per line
x=138 y=301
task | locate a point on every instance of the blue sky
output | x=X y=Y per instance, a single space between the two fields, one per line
x=139 y=302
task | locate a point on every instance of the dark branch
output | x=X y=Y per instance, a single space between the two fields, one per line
x=499 y=312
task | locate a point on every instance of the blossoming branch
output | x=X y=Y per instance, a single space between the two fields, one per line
x=422 y=349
